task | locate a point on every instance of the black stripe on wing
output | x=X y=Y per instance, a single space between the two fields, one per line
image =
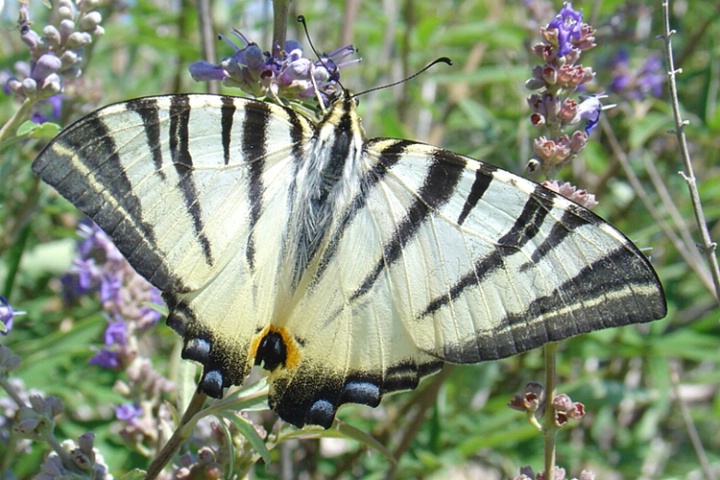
x=254 y=151
x=390 y=155
x=88 y=146
x=438 y=187
x=618 y=289
x=147 y=109
x=523 y=230
x=572 y=218
x=182 y=159
x=483 y=179
x=227 y=115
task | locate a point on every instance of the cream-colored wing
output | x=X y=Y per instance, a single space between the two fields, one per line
x=441 y=258
x=193 y=190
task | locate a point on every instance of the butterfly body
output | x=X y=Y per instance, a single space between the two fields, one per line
x=348 y=267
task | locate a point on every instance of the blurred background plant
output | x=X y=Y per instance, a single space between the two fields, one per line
x=650 y=392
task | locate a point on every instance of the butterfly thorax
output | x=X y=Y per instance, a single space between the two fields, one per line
x=326 y=182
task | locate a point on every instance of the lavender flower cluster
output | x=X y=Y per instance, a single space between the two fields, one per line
x=284 y=74
x=126 y=298
x=56 y=54
x=553 y=110
x=125 y=295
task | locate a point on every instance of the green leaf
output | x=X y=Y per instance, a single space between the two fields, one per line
x=345 y=431
x=33 y=130
x=248 y=431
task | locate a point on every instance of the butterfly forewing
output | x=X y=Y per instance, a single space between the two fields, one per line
x=348 y=267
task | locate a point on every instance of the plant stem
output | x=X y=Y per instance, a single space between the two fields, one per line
x=550 y=427
x=280 y=18
x=22 y=114
x=181 y=433
x=707 y=245
x=207 y=38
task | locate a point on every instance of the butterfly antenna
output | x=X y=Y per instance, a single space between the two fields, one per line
x=301 y=20
x=427 y=67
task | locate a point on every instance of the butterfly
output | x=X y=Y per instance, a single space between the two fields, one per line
x=347 y=267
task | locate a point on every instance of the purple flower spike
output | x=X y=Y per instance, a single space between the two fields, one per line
x=568 y=24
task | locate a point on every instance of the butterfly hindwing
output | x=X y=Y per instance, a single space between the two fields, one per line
x=347 y=267
x=470 y=262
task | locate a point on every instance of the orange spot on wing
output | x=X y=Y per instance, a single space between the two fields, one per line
x=292 y=347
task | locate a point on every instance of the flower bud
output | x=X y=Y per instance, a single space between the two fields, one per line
x=532 y=165
x=202 y=71
x=72 y=72
x=31 y=38
x=46 y=65
x=549 y=75
x=26 y=426
x=54 y=406
x=52 y=35
x=8 y=361
x=52 y=85
x=29 y=86
x=89 y=21
x=534 y=84
x=14 y=85
x=69 y=58
x=66 y=10
x=67 y=27
x=78 y=39
x=81 y=460
x=52 y=469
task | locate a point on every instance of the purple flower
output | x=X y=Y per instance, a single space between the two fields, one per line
x=116 y=333
x=590 y=109
x=6 y=315
x=649 y=80
x=568 y=24
x=48 y=109
x=285 y=74
x=96 y=240
x=106 y=359
x=129 y=413
x=110 y=285
x=652 y=77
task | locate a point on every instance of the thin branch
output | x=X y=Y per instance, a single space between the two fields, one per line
x=207 y=38
x=23 y=113
x=281 y=9
x=648 y=203
x=550 y=429
x=689 y=425
x=182 y=432
x=681 y=225
x=707 y=246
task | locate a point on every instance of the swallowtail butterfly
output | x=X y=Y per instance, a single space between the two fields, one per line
x=348 y=267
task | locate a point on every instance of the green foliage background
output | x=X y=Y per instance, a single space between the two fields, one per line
x=634 y=427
